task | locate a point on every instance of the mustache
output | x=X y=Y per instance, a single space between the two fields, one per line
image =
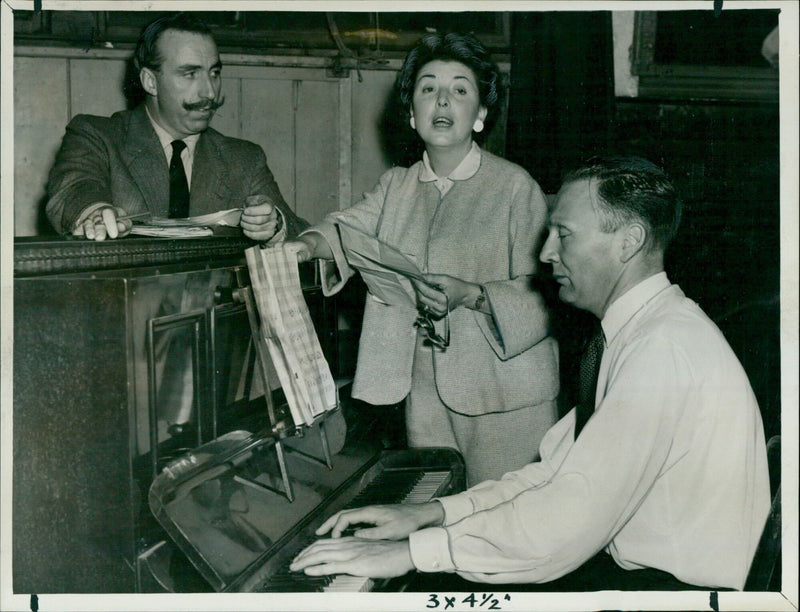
x=204 y=105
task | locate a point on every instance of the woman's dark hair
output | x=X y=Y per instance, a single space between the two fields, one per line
x=146 y=54
x=453 y=47
x=633 y=188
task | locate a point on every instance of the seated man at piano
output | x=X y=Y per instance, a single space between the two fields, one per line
x=656 y=480
x=162 y=157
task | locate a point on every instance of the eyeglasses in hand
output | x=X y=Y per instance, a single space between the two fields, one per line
x=425 y=323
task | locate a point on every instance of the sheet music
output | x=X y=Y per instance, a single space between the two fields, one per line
x=230 y=217
x=289 y=332
x=385 y=269
x=170 y=232
x=189 y=227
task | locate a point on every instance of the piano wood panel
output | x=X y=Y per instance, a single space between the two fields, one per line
x=74 y=496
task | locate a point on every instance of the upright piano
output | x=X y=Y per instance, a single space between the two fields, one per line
x=143 y=456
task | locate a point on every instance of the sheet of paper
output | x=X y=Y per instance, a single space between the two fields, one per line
x=230 y=217
x=289 y=332
x=170 y=232
x=189 y=227
x=384 y=268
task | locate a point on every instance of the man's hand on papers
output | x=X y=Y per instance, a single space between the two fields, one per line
x=439 y=292
x=100 y=221
x=260 y=218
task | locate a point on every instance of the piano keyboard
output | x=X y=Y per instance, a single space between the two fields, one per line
x=426 y=487
x=389 y=487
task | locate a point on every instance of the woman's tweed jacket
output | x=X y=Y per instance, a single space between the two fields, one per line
x=486 y=229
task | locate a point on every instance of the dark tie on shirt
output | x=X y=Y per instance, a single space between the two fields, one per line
x=178 y=186
x=587 y=379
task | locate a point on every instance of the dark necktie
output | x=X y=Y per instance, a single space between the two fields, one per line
x=178 y=186
x=587 y=379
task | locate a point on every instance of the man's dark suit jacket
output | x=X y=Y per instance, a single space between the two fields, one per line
x=119 y=160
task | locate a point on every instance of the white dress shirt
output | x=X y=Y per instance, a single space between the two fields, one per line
x=669 y=473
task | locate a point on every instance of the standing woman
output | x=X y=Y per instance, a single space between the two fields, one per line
x=473 y=222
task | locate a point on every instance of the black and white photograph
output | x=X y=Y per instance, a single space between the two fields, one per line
x=371 y=305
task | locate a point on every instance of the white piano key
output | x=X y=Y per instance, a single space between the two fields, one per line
x=349 y=584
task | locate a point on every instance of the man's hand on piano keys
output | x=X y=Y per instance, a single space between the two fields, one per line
x=392 y=522
x=355 y=556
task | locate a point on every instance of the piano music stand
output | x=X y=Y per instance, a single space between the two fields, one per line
x=281 y=428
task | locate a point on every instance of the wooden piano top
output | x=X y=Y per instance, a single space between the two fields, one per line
x=35 y=256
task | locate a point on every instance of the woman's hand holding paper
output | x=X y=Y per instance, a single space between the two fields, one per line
x=439 y=292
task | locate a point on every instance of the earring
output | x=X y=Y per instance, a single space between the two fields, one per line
x=478 y=126
x=413 y=123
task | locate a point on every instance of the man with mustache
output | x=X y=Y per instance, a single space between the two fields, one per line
x=162 y=158
x=129 y=163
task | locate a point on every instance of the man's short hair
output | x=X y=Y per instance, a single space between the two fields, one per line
x=147 y=55
x=631 y=188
